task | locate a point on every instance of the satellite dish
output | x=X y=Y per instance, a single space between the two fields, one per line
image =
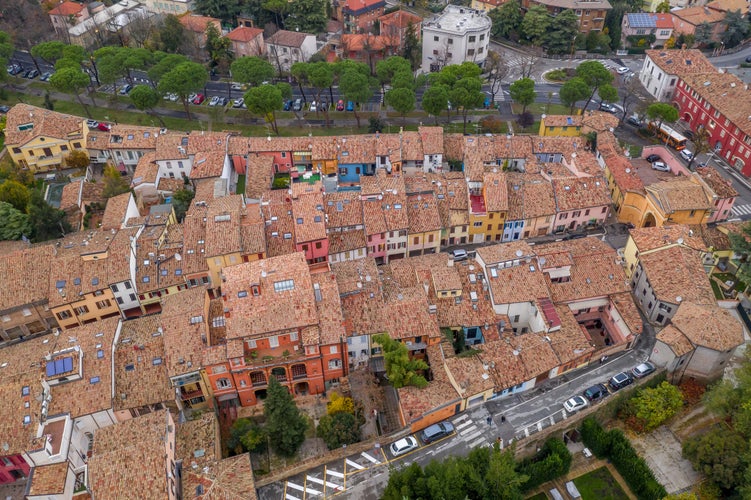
x=519 y=253
x=178 y=257
x=680 y=241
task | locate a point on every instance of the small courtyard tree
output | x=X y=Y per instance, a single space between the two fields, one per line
x=285 y=423
x=400 y=368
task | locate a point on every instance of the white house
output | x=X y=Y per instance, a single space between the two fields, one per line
x=285 y=48
x=663 y=68
x=459 y=34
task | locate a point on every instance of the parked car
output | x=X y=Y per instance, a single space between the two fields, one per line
x=14 y=69
x=32 y=74
x=92 y=123
x=312 y=107
x=574 y=236
x=686 y=154
x=643 y=370
x=436 y=431
x=350 y=106
x=125 y=89
x=214 y=101
x=689 y=134
x=636 y=122
x=340 y=105
x=596 y=392
x=620 y=380
x=236 y=86
x=297 y=105
x=238 y=103
x=608 y=107
x=104 y=127
x=191 y=97
x=653 y=158
x=403 y=446
x=4 y=109
x=622 y=70
x=658 y=165
x=198 y=99
x=459 y=254
x=287 y=105
x=702 y=164
x=45 y=76
x=324 y=105
x=575 y=404
x=748 y=59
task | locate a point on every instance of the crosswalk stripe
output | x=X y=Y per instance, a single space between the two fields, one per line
x=372 y=459
x=458 y=419
x=475 y=444
x=306 y=490
x=354 y=464
x=287 y=496
x=467 y=430
x=742 y=209
x=463 y=425
x=472 y=436
x=334 y=473
x=327 y=483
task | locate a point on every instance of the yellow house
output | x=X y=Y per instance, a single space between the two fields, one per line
x=624 y=184
x=324 y=155
x=677 y=201
x=646 y=240
x=39 y=139
x=495 y=192
x=560 y=125
x=486 y=5
x=424 y=233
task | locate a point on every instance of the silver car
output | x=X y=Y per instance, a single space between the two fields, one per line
x=403 y=446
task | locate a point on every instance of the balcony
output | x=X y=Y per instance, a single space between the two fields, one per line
x=280 y=374
x=299 y=372
x=46 y=161
x=258 y=379
x=190 y=395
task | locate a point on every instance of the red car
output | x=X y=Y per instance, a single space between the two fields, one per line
x=104 y=127
x=199 y=98
x=340 y=105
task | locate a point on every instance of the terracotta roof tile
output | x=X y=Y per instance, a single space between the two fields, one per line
x=343 y=209
x=518 y=284
x=496 y=192
x=48 y=479
x=223 y=222
x=184 y=327
x=722 y=187
x=197 y=442
x=331 y=320
x=574 y=194
x=679 y=194
x=198 y=24
x=280 y=225
x=25 y=275
x=132 y=137
x=417 y=402
x=115 y=211
x=244 y=34
x=624 y=303
x=230 y=479
x=652 y=238
x=67 y=9
x=356 y=276
x=46 y=123
x=708 y=325
x=681 y=62
x=727 y=93
x=373 y=216
x=287 y=38
x=308 y=212
x=346 y=241
x=673 y=338
x=494 y=254
x=675 y=272
x=259 y=175
x=207 y=164
x=422 y=211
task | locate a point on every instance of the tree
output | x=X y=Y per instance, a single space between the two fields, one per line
x=172 y=35
x=655 y=405
x=265 y=100
x=387 y=68
x=321 y=76
x=595 y=75
x=6 y=51
x=629 y=91
x=562 y=30
x=77 y=159
x=402 y=100
x=307 y=16
x=435 y=100
x=574 y=91
x=736 y=28
x=703 y=34
x=16 y=194
x=50 y=52
x=400 y=368
x=245 y=435
x=608 y=93
x=14 y=223
x=355 y=87
x=252 y=70
x=223 y=9
x=407 y=482
x=466 y=95
x=523 y=92
x=299 y=72
x=182 y=80
x=145 y=98
x=507 y=20
x=181 y=202
x=497 y=69
x=411 y=48
x=164 y=63
x=47 y=222
x=718 y=455
x=114 y=183
x=663 y=112
x=279 y=8
x=285 y=424
x=702 y=144
x=663 y=7
x=338 y=429
x=218 y=47
x=71 y=81
x=525 y=119
x=536 y=24
x=504 y=482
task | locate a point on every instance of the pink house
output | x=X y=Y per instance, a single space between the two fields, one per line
x=375 y=229
x=580 y=202
x=309 y=221
x=13 y=467
x=724 y=194
x=247 y=41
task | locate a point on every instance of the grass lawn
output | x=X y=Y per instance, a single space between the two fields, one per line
x=739 y=285
x=538 y=108
x=716 y=289
x=634 y=151
x=599 y=485
x=532 y=129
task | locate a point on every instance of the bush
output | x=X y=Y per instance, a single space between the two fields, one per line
x=491 y=124
x=525 y=119
x=557 y=75
x=552 y=461
x=616 y=446
x=338 y=429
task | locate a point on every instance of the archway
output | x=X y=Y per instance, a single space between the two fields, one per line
x=301 y=389
x=280 y=373
x=687 y=118
x=649 y=220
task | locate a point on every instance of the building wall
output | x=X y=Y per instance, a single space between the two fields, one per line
x=174 y=7
x=87 y=309
x=315 y=251
x=26 y=320
x=435 y=45
x=658 y=83
x=377 y=245
x=13 y=467
x=396 y=244
x=423 y=243
x=254 y=47
x=707 y=364
x=731 y=143
x=45 y=153
x=575 y=219
x=657 y=311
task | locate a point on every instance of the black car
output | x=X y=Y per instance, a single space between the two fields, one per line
x=574 y=236
x=653 y=158
x=4 y=109
x=632 y=120
x=748 y=59
x=620 y=380
x=32 y=74
x=596 y=392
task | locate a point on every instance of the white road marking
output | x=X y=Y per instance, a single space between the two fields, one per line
x=287 y=496
x=327 y=483
x=463 y=425
x=334 y=473
x=354 y=464
x=472 y=436
x=372 y=459
x=308 y=491
x=466 y=431
x=475 y=444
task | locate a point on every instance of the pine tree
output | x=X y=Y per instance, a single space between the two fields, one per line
x=285 y=424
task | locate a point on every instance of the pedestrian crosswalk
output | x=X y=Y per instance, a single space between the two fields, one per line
x=742 y=210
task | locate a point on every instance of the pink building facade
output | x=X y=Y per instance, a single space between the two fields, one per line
x=12 y=468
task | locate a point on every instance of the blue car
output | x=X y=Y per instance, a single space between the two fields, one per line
x=287 y=105
x=350 y=106
x=487 y=103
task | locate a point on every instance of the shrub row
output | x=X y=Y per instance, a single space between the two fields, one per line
x=616 y=447
x=552 y=461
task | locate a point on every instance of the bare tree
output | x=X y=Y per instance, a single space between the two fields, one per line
x=527 y=63
x=629 y=93
x=141 y=27
x=497 y=69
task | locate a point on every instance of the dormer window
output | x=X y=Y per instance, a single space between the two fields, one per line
x=255 y=290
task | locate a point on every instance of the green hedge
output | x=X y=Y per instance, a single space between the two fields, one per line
x=552 y=461
x=615 y=446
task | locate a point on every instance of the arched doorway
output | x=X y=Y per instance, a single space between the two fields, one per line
x=280 y=373
x=301 y=389
x=687 y=118
x=260 y=394
x=649 y=220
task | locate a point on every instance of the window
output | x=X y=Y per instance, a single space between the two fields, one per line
x=333 y=349
x=274 y=341
x=470 y=52
x=82 y=310
x=156 y=361
x=334 y=364
x=482 y=37
x=293 y=336
x=223 y=383
x=451 y=41
x=283 y=286
x=435 y=38
x=103 y=304
x=100 y=354
x=472 y=39
x=251 y=344
x=94 y=380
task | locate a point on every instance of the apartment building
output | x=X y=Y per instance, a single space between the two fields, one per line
x=591 y=13
x=662 y=69
x=457 y=35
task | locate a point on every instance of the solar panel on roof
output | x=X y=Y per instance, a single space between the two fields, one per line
x=642 y=20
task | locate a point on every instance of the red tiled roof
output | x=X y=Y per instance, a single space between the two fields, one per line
x=244 y=34
x=67 y=9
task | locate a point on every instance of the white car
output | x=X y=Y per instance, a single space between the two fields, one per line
x=238 y=103
x=658 y=165
x=575 y=404
x=403 y=446
x=236 y=86
x=622 y=70
x=214 y=101
x=313 y=107
x=686 y=154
